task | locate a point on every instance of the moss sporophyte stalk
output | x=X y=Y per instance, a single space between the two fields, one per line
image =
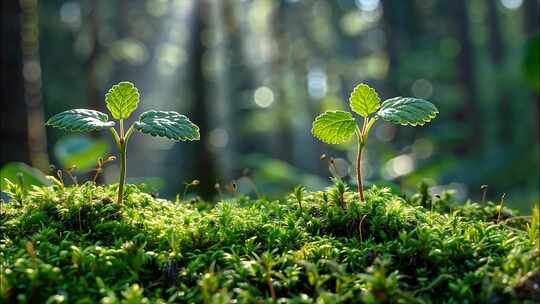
x=121 y=100
x=337 y=127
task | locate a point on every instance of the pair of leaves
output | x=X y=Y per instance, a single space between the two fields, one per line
x=171 y=125
x=122 y=99
x=336 y=127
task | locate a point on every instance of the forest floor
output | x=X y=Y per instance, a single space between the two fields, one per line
x=76 y=245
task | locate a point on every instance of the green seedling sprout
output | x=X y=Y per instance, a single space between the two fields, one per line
x=121 y=100
x=298 y=193
x=337 y=127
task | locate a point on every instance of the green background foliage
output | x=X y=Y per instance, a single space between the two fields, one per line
x=254 y=74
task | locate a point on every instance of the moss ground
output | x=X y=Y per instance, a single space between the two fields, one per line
x=76 y=245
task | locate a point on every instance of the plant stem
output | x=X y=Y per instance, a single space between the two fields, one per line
x=359 y=168
x=361 y=142
x=123 y=159
x=270 y=286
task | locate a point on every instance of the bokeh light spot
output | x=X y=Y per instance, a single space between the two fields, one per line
x=512 y=4
x=400 y=165
x=317 y=86
x=367 y=5
x=422 y=88
x=218 y=138
x=70 y=13
x=264 y=97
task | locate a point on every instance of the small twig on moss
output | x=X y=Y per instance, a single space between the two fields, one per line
x=500 y=207
x=193 y=183
x=360 y=226
x=299 y=195
x=100 y=165
x=70 y=171
x=517 y=218
x=60 y=178
x=217 y=186
x=484 y=189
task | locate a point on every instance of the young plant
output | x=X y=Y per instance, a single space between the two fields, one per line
x=298 y=193
x=121 y=100
x=336 y=127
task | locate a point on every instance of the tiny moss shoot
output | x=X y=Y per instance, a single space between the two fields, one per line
x=121 y=100
x=336 y=127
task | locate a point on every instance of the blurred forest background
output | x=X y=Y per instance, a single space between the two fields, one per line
x=253 y=74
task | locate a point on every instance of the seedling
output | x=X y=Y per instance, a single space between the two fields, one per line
x=298 y=193
x=336 y=127
x=121 y=100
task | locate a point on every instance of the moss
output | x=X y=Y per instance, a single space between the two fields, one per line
x=78 y=245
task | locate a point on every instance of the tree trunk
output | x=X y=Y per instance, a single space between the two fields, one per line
x=204 y=164
x=400 y=26
x=281 y=141
x=22 y=117
x=32 y=86
x=14 y=128
x=496 y=48
x=531 y=9
x=93 y=94
x=466 y=73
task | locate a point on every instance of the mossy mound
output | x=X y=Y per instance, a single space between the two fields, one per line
x=76 y=245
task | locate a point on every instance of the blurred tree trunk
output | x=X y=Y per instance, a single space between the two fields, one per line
x=532 y=12
x=204 y=165
x=281 y=141
x=466 y=73
x=93 y=93
x=14 y=130
x=496 y=50
x=241 y=78
x=400 y=27
x=32 y=85
x=532 y=26
x=22 y=117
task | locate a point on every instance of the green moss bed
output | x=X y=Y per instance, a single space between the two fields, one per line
x=76 y=245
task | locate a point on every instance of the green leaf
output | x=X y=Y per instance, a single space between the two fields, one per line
x=79 y=150
x=122 y=99
x=407 y=111
x=167 y=124
x=30 y=175
x=334 y=127
x=80 y=120
x=364 y=100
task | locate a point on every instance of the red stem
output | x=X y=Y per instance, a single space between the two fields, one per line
x=359 y=168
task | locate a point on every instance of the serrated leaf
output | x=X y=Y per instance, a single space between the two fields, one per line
x=122 y=99
x=364 y=100
x=334 y=127
x=407 y=111
x=169 y=124
x=80 y=120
